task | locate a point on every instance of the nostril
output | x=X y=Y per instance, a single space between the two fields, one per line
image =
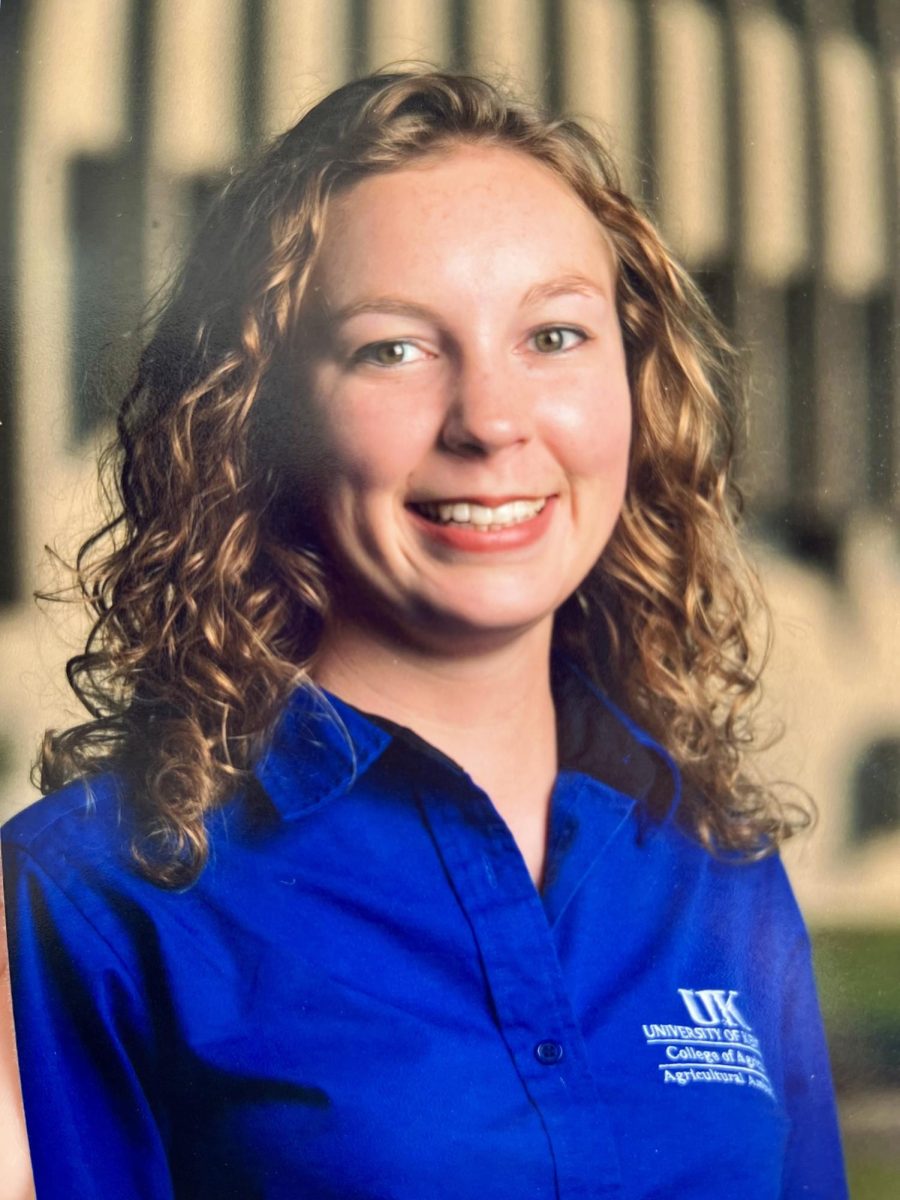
x=468 y=447
x=481 y=426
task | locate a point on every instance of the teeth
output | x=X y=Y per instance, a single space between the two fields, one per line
x=464 y=512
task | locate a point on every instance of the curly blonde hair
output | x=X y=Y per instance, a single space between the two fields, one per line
x=207 y=592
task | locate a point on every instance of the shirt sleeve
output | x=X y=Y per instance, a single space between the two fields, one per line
x=84 y=1042
x=814 y=1166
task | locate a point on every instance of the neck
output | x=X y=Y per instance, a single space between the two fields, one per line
x=490 y=710
x=466 y=689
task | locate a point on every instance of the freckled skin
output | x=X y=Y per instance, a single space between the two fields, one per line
x=463 y=344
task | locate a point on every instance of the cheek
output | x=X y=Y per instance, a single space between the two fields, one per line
x=363 y=448
x=599 y=435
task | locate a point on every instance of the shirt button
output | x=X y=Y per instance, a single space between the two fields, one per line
x=548 y=1053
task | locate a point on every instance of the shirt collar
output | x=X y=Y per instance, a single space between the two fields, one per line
x=597 y=739
x=322 y=745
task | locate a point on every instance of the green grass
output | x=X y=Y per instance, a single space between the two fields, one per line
x=872 y=1180
x=858 y=973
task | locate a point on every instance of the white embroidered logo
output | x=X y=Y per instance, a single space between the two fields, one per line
x=719 y=1046
x=712 y=1007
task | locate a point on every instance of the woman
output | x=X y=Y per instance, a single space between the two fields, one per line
x=366 y=879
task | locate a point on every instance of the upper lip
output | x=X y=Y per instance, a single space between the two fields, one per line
x=484 y=501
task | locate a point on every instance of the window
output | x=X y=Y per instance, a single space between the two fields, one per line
x=876 y=790
x=106 y=227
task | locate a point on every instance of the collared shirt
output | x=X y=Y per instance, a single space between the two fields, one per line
x=365 y=996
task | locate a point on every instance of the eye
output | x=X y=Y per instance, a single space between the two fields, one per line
x=556 y=338
x=389 y=354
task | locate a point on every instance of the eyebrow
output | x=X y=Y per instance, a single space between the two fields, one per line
x=381 y=304
x=574 y=283
x=563 y=286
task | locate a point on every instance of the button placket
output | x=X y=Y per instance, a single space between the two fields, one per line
x=522 y=970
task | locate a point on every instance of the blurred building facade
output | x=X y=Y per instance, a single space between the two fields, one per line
x=762 y=133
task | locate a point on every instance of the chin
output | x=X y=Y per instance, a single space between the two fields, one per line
x=485 y=620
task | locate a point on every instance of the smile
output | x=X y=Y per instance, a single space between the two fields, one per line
x=467 y=514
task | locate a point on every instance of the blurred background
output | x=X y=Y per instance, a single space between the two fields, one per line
x=763 y=136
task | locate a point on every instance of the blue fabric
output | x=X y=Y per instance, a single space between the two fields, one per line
x=365 y=996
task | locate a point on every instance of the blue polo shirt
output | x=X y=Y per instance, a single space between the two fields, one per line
x=365 y=996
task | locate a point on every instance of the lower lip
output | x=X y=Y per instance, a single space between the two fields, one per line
x=475 y=541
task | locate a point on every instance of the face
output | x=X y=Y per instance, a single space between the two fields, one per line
x=467 y=415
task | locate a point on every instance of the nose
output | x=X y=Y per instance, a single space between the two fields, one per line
x=488 y=410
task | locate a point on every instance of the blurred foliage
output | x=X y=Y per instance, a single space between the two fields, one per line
x=871 y=1179
x=858 y=972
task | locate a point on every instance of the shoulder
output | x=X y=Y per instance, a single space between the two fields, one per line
x=74 y=891
x=86 y=814
x=58 y=809
x=751 y=897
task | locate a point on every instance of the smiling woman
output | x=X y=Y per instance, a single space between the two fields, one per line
x=410 y=848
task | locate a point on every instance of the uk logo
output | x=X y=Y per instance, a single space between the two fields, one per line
x=715 y=1044
x=711 y=1006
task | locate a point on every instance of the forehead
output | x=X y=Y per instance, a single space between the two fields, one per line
x=481 y=207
